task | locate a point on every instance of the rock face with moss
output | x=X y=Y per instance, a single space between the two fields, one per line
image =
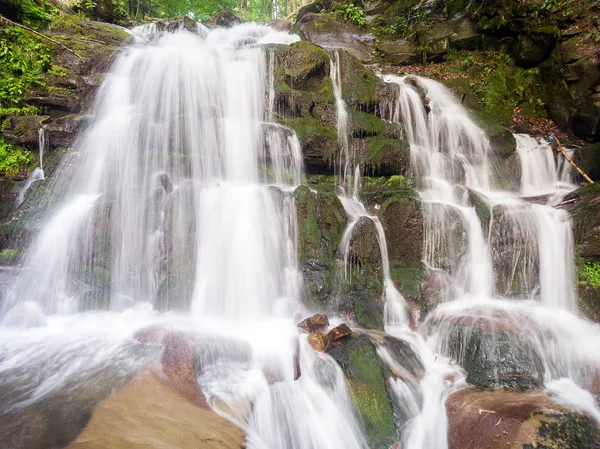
x=366 y=379
x=305 y=103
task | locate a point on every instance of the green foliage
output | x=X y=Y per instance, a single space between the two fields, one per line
x=589 y=274
x=12 y=160
x=35 y=13
x=354 y=14
x=23 y=60
x=498 y=84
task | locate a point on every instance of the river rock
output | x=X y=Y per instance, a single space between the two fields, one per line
x=318 y=341
x=147 y=413
x=338 y=333
x=314 y=323
x=496 y=349
x=223 y=19
x=511 y=419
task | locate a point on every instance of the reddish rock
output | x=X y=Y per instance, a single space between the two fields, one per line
x=179 y=353
x=318 y=341
x=339 y=332
x=314 y=323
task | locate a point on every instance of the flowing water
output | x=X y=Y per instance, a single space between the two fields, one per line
x=180 y=216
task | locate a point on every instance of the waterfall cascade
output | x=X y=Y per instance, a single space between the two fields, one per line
x=181 y=216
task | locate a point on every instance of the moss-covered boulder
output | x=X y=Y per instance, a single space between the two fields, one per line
x=321 y=223
x=363 y=276
x=585 y=210
x=402 y=222
x=334 y=31
x=358 y=359
x=588 y=158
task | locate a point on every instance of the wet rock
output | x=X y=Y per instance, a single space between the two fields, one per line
x=177 y=23
x=588 y=159
x=173 y=293
x=23 y=130
x=148 y=412
x=402 y=222
x=366 y=379
x=314 y=323
x=338 y=333
x=495 y=349
x=223 y=19
x=317 y=341
x=333 y=31
x=500 y=419
x=585 y=210
x=63 y=131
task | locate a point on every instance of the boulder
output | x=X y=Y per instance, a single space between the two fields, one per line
x=224 y=19
x=338 y=333
x=282 y=25
x=146 y=412
x=511 y=419
x=532 y=49
x=400 y=52
x=23 y=130
x=318 y=341
x=177 y=23
x=496 y=349
x=366 y=379
x=314 y=323
x=331 y=30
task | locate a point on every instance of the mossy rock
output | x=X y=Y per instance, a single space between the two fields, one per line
x=299 y=62
x=402 y=222
x=588 y=159
x=309 y=238
x=387 y=157
x=9 y=256
x=360 y=86
x=319 y=143
x=502 y=141
x=362 y=368
x=586 y=220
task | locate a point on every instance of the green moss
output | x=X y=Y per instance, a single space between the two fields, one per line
x=9 y=256
x=361 y=365
x=309 y=128
x=380 y=149
x=298 y=62
x=13 y=160
x=309 y=239
x=332 y=221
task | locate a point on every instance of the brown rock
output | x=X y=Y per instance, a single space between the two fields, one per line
x=339 y=332
x=314 y=323
x=513 y=419
x=318 y=341
x=147 y=413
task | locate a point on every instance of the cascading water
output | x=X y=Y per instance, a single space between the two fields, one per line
x=183 y=198
x=452 y=159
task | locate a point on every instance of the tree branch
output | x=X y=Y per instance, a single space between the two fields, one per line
x=37 y=33
x=570 y=161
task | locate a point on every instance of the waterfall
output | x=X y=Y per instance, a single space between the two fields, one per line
x=183 y=199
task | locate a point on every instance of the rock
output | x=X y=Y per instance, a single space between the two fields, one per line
x=331 y=30
x=532 y=49
x=401 y=52
x=318 y=341
x=366 y=379
x=223 y=19
x=586 y=220
x=147 y=412
x=510 y=419
x=314 y=323
x=23 y=130
x=588 y=159
x=402 y=222
x=338 y=333
x=173 y=293
x=496 y=349
x=177 y=23
x=282 y=25
x=63 y=131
